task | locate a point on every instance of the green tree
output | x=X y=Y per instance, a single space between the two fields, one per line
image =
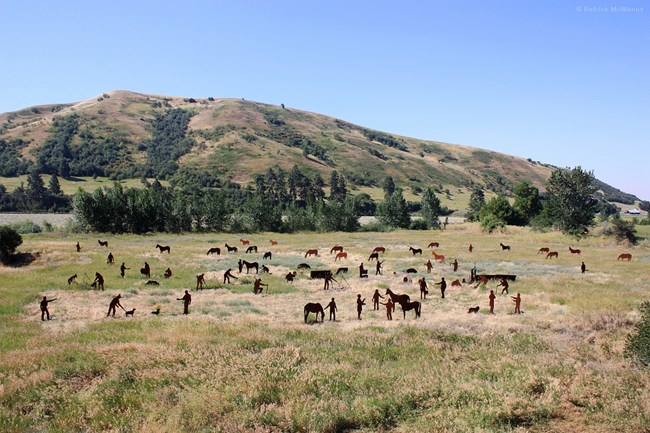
x=388 y=186
x=527 y=202
x=496 y=213
x=393 y=211
x=571 y=202
x=36 y=192
x=10 y=239
x=54 y=187
x=338 y=189
x=622 y=230
x=431 y=209
x=365 y=204
x=476 y=202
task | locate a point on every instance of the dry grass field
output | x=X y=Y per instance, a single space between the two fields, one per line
x=245 y=362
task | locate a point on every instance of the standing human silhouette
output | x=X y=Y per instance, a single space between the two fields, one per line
x=517 y=301
x=187 y=300
x=115 y=302
x=429 y=266
x=583 y=267
x=424 y=289
x=455 y=265
x=110 y=259
x=332 y=306
x=491 y=297
x=375 y=299
x=360 y=304
x=78 y=247
x=378 y=267
x=443 y=286
x=122 y=269
x=44 y=310
x=389 y=308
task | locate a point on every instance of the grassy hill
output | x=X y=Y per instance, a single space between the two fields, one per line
x=233 y=140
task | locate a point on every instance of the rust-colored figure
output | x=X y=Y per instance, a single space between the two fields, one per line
x=583 y=267
x=491 y=298
x=332 y=306
x=517 y=301
x=187 y=300
x=482 y=279
x=44 y=310
x=503 y=283
x=455 y=265
x=115 y=302
x=363 y=272
x=257 y=286
x=110 y=259
x=389 y=308
x=78 y=247
x=424 y=289
x=200 y=281
x=99 y=281
x=378 y=267
x=168 y=273
x=122 y=269
x=227 y=276
x=443 y=286
x=429 y=266
x=375 y=299
x=360 y=304
x=470 y=248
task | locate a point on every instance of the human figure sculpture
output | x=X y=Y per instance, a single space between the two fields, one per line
x=44 y=310
x=168 y=273
x=491 y=298
x=257 y=286
x=583 y=267
x=187 y=300
x=424 y=288
x=200 y=281
x=110 y=259
x=122 y=269
x=99 y=281
x=517 y=301
x=503 y=283
x=455 y=265
x=360 y=304
x=389 y=308
x=227 y=276
x=115 y=302
x=443 y=286
x=332 y=306
x=375 y=299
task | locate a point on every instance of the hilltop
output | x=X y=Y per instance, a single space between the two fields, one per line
x=123 y=135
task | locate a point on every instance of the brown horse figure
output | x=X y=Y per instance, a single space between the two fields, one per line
x=341 y=256
x=314 y=307
x=576 y=251
x=273 y=243
x=379 y=250
x=336 y=249
x=244 y=242
x=438 y=257
x=433 y=245
x=543 y=250
x=415 y=250
x=552 y=254
x=251 y=249
x=504 y=247
x=102 y=243
x=215 y=250
x=267 y=255
x=373 y=256
x=397 y=298
x=625 y=256
x=456 y=283
x=311 y=253
x=249 y=266
x=164 y=248
x=231 y=249
x=408 y=306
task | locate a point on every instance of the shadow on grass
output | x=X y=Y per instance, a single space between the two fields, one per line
x=19 y=260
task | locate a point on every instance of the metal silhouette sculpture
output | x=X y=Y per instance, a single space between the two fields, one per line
x=44 y=310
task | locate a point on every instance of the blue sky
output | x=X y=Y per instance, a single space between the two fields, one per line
x=561 y=82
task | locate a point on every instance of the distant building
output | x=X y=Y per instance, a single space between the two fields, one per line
x=633 y=211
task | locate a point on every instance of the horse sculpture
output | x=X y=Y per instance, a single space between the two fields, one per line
x=408 y=306
x=438 y=257
x=379 y=250
x=273 y=243
x=625 y=256
x=311 y=253
x=552 y=254
x=249 y=266
x=304 y=266
x=244 y=242
x=504 y=247
x=576 y=251
x=251 y=249
x=433 y=245
x=543 y=250
x=336 y=249
x=456 y=283
x=415 y=250
x=314 y=307
x=267 y=255
x=102 y=243
x=373 y=256
x=164 y=248
x=341 y=256
x=397 y=298
x=231 y=249
x=215 y=250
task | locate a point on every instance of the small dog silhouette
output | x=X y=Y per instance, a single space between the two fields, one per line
x=72 y=279
x=473 y=310
x=156 y=312
x=130 y=312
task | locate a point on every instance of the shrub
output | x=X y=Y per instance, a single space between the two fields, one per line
x=637 y=346
x=10 y=239
x=24 y=227
x=622 y=230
